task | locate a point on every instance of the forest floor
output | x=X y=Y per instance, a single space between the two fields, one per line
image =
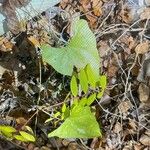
x=122 y=33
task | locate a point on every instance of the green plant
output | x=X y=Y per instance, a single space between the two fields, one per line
x=11 y=133
x=80 y=121
x=86 y=84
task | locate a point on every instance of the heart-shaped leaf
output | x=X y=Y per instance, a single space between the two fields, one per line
x=80 y=51
x=80 y=124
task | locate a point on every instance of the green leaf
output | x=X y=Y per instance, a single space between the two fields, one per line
x=29 y=129
x=7 y=134
x=63 y=109
x=74 y=86
x=103 y=81
x=92 y=78
x=91 y=99
x=7 y=129
x=83 y=80
x=80 y=124
x=83 y=101
x=27 y=136
x=65 y=114
x=57 y=114
x=80 y=51
x=20 y=138
x=100 y=94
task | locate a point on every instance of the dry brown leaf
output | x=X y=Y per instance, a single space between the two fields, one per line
x=145 y=140
x=117 y=127
x=124 y=106
x=97 y=7
x=132 y=124
x=126 y=14
x=112 y=71
x=142 y=48
x=138 y=147
x=34 y=41
x=21 y=121
x=147 y=133
x=143 y=91
x=5 y=44
x=145 y=14
x=103 y=48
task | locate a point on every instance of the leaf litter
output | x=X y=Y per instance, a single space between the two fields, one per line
x=122 y=33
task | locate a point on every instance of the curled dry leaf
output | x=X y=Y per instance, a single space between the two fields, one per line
x=142 y=48
x=143 y=91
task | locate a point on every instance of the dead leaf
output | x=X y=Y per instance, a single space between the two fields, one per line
x=145 y=14
x=34 y=41
x=147 y=133
x=145 y=140
x=138 y=146
x=117 y=127
x=112 y=70
x=5 y=44
x=143 y=91
x=142 y=48
x=21 y=121
x=97 y=5
x=132 y=125
x=103 y=48
x=126 y=14
x=124 y=106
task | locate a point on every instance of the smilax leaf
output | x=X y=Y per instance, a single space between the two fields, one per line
x=80 y=124
x=80 y=51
